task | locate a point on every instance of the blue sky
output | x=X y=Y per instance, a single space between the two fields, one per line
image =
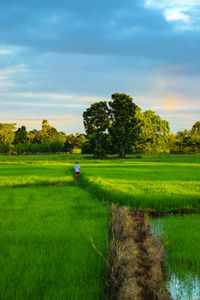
x=58 y=57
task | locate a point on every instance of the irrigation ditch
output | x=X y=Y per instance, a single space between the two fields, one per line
x=136 y=256
x=136 y=259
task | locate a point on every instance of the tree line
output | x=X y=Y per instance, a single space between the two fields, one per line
x=115 y=127
x=120 y=126
x=46 y=140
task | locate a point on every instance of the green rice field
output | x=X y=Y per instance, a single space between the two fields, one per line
x=54 y=231
x=156 y=185
x=48 y=233
x=180 y=235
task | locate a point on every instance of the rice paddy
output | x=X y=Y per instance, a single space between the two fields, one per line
x=54 y=230
x=181 y=238
x=48 y=234
x=160 y=186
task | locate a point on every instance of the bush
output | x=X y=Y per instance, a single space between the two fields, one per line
x=35 y=148
x=76 y=151
x=40 y=148
x=57 y=146
x=86 y=148
x=23 y=148
x=4 y=148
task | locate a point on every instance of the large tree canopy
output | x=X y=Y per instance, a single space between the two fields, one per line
x=154 y=132
x=96 y=122
x=195 y=136
x=124 y=128
x=74 y=141
x=118 y=126
x=196 y=127
x=7 y=132
x=47 y=135
x=21 y=136
x=95 y=118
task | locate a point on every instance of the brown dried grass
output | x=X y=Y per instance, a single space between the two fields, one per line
x=136 y=259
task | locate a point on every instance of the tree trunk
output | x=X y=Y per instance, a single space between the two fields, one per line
x=96 y=144
x=122 y=153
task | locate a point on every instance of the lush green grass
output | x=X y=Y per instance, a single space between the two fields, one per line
x=45 y=231
x=34 y=174
x=156 y=185
x=46 y=250
x=180 y=236
x=161 y=182
x=44 y=159
x=65 y=158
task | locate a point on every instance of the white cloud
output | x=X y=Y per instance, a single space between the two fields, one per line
x=185 y=13
x=5 y=51
x=46 y=98
x=182 y=4
x=15 y=69
x=176 y=15
x=6 y=75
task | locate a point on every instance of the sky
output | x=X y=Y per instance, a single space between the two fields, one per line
x=59 y=56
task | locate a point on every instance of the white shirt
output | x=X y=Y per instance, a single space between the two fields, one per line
x=77 y=168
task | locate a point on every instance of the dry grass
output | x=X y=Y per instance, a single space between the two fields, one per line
x=136 y=259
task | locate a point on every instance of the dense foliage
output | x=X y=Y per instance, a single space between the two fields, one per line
x=96 y=122
x=118 y=126
x=130 y=130
x=46 y=140
x=124 y=127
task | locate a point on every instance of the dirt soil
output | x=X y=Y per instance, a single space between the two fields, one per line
x=136 y=259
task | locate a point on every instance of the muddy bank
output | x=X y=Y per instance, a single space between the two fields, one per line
x=136 y=259
x=156 y=214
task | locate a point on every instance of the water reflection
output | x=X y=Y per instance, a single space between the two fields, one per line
x=182 y=283
x=184 y=289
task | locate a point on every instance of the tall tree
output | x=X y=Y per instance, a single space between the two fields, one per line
x=96 y=122
x=154 y=132
x=32 y=136
x=196 y=127
x=21 y=136
x=195 y=136
x=7 y=133
x=183 y=139
x=45 y=125
x=62 y=136
x=47 y=135
x=70 y=142
x=125 y=127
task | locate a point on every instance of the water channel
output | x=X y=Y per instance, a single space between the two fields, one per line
x=183 y=285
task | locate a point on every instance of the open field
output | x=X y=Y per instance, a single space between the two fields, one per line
x=155 y=185
x=158 y=182
x=38 y=205
x=46 y=236
x=13 y=175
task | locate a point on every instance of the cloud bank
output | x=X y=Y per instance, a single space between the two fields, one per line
x=57 y=57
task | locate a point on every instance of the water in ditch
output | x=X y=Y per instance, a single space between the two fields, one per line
x=181 y=239
x=187 y=288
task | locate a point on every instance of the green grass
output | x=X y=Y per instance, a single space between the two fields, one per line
x=160 y=186
x=180 y=236
x=64 y=158
x=34 y=174
x=46 y=250
x=46 y=227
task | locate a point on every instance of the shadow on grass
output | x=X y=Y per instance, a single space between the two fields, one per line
x=162 y=203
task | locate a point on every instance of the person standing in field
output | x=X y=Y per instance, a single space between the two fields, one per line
x=77 y=169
